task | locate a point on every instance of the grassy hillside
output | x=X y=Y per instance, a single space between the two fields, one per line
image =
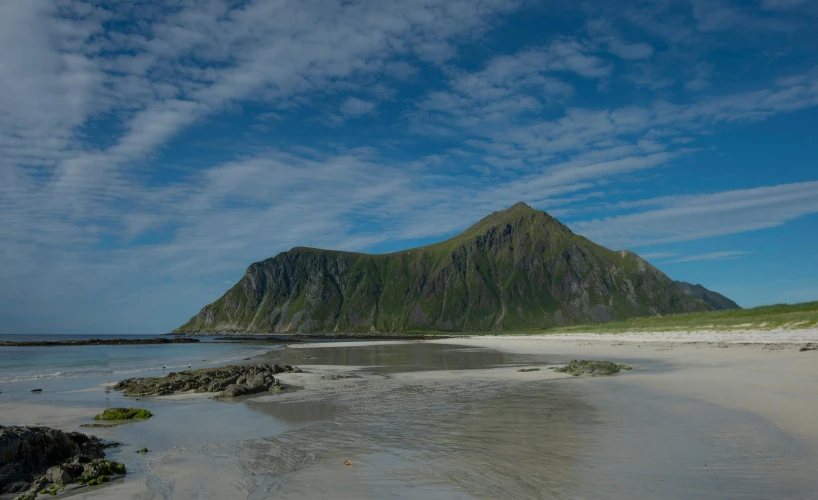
x=515 y=269
x=794 y=316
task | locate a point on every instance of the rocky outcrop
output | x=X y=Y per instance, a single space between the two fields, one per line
x=227 y=381
x=32 y=458
x=515 y=269
x=592 y=368
x=52 y=343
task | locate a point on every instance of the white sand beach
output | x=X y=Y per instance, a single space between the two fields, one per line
x=456 y=418
x=759 y=371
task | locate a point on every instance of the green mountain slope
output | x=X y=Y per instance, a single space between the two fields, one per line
x=715 y=299
x=515 y=269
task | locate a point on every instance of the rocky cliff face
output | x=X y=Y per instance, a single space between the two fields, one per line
x=518 y=268
x=714 y=299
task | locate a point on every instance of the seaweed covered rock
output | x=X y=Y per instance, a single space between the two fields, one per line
x=124 y=414
x=32 y=458
x=228 y=381
x=592 y=368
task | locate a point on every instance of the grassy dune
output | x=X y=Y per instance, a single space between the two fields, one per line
x=795 y=316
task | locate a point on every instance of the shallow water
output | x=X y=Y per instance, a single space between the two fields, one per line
x=450 y=436
x=118 y=361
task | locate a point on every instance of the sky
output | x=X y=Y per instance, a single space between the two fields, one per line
x=149 y=152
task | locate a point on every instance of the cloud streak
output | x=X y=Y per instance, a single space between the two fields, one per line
x=732 y=254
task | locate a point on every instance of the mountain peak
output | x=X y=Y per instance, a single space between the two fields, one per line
x=520 y=205
x=518 y=268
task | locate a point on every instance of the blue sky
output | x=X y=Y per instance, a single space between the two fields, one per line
x=149 y=153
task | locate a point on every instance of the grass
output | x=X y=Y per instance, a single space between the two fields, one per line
x=124 y=414
x=793 y=316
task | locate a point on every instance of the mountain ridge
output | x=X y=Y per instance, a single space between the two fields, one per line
x=515 y=268
x=715 y=299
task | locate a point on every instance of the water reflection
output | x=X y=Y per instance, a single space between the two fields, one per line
x=458 y=436
x=394 y=358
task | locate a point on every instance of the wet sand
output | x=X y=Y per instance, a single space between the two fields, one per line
x=760 y=372
x=456 y=419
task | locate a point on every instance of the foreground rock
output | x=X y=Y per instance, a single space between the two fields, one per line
x=52 y=343
x=592 y=368
x=228 y=381
x=41 y=459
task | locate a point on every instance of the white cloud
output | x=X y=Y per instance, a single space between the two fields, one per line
x=731 y=254
x=781 y=4
x=701 y=80
x=657 y=255
x=630 y=51
x=353 y=106
x=705 y=216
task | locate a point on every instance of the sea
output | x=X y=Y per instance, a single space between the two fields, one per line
x=20 y=364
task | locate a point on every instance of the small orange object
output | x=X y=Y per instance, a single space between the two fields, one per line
x=347 y=463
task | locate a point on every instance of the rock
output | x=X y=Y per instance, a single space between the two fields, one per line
x=142 y=451
x=228 y=381
x=286 y=369
x=124 y=414
x=592 y=368
x=33 y=457
x=36 y=390
x=528 y=370
x=233 y=390
x=58 y=475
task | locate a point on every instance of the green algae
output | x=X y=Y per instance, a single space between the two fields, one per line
x=124 y=414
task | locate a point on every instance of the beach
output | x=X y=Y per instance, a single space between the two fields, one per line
x=703 y=414
x=761 y=372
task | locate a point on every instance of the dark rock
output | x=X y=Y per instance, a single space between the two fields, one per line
x=228 y=381
x=592 y=368
x=233 y=391
x=33 y=457
x=286 y=369
x=36 y=390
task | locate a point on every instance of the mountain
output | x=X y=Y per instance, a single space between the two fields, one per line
x=716 y=300
x=515 y=269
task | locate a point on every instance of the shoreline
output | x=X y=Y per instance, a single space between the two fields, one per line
x=759 y=378
x=97 y=341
